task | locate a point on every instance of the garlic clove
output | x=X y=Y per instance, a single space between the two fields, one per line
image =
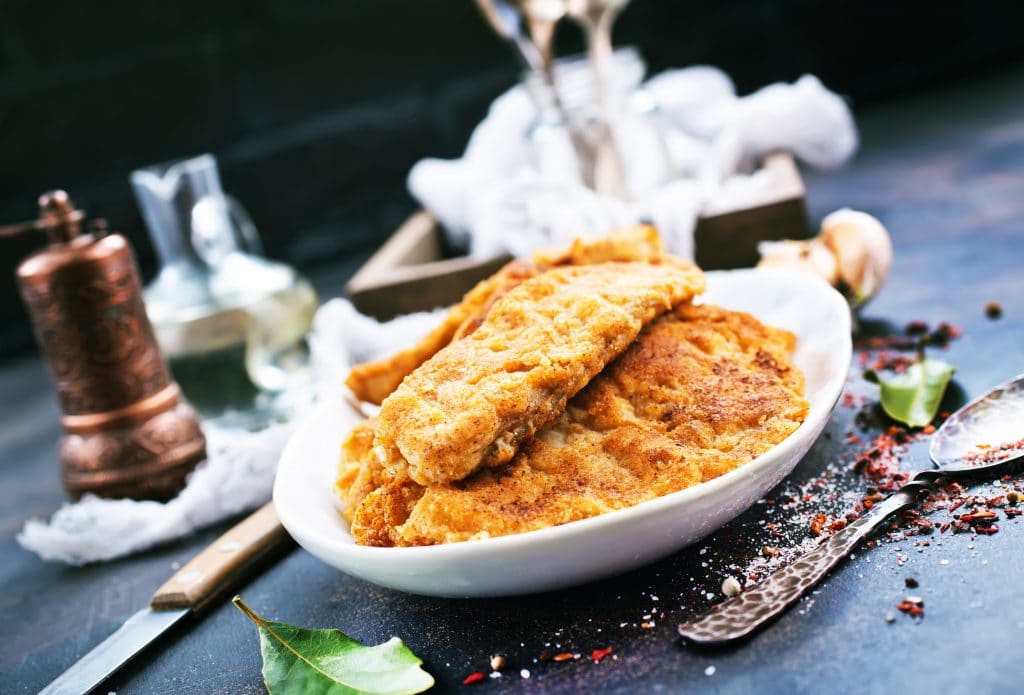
x=809 y=256
x=862 y=249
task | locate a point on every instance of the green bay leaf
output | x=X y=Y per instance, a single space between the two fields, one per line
x=913 y=397
x=329 y=662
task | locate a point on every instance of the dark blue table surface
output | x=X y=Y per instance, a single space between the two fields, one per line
x=945 y=171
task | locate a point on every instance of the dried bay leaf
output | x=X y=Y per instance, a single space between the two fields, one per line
x=329 y=662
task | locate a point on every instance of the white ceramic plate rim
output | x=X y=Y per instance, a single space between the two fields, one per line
x=327 y=541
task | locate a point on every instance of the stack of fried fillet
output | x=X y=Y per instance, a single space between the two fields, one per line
x=560 y=388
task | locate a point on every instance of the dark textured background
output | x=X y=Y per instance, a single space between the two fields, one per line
x=317 y=110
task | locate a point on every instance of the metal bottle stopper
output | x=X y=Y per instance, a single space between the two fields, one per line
x=127 y=432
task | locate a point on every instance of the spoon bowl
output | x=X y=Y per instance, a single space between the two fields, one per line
x=985 y=434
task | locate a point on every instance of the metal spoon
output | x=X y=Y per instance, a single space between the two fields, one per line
x=541 y=17
x=506 y=20
x=597 y=17
x=997 y=419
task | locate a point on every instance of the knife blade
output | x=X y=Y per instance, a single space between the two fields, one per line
x=194 y=588
x=116 y=650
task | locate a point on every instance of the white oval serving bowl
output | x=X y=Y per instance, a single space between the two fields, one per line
x=592 y=548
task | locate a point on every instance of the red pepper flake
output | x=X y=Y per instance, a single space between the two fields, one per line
x=599 y=654
x=564 y=656
x=987 y=453
x=987 y=530
x=647 y=626
x=837 y=525
x=818 y=524
x=928 y=429
x=912 y=606
x=1012 y=512
x=473 y=678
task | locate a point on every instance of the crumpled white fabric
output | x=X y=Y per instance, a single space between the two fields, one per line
x=493 y=200
x=239 y=472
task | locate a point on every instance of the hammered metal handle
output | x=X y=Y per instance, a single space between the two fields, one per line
x=741 y=615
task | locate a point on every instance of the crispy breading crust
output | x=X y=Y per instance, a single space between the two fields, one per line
x=374 y=381
x=473 y=403
x=702 y=391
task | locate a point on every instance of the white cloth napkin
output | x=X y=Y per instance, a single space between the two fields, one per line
x=239 y=473
x=494 y=200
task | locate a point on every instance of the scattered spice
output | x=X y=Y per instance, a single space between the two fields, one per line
x=497 y=662
x=564 y=656
x=770 y=551
x=993 y=310
x=473 y=678
x=911 y=583
x=731 y=587
x=599 y=654
x=912 y=606
x=985 y=454
x=818 y=524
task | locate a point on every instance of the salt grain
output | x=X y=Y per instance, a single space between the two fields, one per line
x=709 y=671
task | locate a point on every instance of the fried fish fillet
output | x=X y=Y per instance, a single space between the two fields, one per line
x=374 y=381
x=701 y=391
x=473 y=403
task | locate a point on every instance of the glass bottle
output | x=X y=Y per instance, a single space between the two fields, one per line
x=227 y=318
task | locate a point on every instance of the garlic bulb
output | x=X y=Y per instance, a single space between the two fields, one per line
x=862 y=248
x=853 y=252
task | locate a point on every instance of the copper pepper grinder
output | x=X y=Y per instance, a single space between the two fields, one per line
x=127 y=432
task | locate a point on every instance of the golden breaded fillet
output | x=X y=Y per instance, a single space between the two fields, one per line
x=475 y=401
x=700 y=392
x=359 y=473
x=374 y=381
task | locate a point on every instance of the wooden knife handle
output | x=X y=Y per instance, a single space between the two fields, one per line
x=226 y=562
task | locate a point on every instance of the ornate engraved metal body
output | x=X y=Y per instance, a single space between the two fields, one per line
x=127 y=432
